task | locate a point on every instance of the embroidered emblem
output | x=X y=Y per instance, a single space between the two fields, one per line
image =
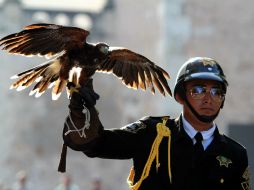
x=208 y=61
x=224 y=161
x=245 y=185
x=246 y=174
x=246 y=177
x=134 y=127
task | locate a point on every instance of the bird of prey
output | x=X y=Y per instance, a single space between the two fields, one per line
x=73 y=59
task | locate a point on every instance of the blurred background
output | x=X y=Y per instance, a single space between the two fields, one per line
x=166 y=31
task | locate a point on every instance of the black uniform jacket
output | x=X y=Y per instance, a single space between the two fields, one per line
x=224 y=164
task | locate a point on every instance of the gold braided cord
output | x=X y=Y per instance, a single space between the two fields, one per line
x=162 y=131
x=169 y=158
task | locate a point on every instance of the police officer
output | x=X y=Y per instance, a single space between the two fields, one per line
x=183 y=153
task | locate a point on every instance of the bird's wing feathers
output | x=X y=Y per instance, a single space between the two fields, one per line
x=135 y=70
x=44 y=39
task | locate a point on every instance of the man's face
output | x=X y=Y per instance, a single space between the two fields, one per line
x=205 y=96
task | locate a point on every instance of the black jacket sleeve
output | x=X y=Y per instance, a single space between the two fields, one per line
x=124 y=143
x=121 y=143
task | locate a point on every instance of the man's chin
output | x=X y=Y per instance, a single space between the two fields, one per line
x=207 y=119
x=207 y=113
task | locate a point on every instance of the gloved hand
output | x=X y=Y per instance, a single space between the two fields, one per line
x=83 y=95
x=82 y=124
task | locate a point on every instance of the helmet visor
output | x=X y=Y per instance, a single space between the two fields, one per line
x=206 y=76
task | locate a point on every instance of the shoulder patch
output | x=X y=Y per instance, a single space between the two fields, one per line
x=246 y=179
x=153 y=120
x=133 y=127
x=143 y=123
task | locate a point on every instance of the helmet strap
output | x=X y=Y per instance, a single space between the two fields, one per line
x=202 y=118
x=222 y=104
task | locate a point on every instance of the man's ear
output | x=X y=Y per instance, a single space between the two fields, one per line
x=179 y=99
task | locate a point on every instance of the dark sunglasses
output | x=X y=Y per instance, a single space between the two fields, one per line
x=199 y=92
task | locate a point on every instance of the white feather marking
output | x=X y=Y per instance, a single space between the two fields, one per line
x=14 y=77
x=32 y=92
x=51 y=85
x=55 y=96
x=38 y=94
x=38 y=79
x=21 y=88
x=115 y=48
x=76 y=70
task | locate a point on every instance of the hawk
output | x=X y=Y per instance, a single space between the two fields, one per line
x=73 y=59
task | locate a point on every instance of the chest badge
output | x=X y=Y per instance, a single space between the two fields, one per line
x=224 y=161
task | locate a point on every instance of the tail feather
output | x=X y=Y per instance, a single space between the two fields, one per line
x=20 y=82
x=37 y=88
x=57 y=89
x=45 y=84
x=34 y=69
x=45 y=75
x=33 y=78
x=42 y=87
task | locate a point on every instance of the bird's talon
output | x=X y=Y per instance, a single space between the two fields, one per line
x=73 y=89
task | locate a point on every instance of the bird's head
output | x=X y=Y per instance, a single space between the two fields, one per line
x=103 y=48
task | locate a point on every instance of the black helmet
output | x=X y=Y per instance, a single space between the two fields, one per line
x=199 y=68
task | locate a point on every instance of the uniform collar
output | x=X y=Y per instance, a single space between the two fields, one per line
x=178 y=133
x=192 y=132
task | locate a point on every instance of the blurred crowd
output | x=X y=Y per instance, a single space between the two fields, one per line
x=65 y=183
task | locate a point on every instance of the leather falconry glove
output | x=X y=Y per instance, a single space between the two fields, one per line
x=82 y=124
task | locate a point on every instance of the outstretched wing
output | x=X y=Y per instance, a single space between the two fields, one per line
x=44 y=40
x=135 y=70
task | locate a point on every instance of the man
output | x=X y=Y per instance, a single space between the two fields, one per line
x=66 y=183
x=96 y=183
x=183 y=153
x=22 y=181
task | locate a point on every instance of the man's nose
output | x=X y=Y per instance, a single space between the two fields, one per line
x=208 y=97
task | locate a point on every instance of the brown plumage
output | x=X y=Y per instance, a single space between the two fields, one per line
x=72 y=59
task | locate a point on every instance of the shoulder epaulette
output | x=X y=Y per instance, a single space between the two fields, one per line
x=143 y=123
x=153 y=119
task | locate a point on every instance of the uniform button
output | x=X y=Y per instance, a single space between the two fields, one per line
x=221 y=180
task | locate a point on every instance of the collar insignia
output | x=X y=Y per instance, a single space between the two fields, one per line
x=224 y=161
